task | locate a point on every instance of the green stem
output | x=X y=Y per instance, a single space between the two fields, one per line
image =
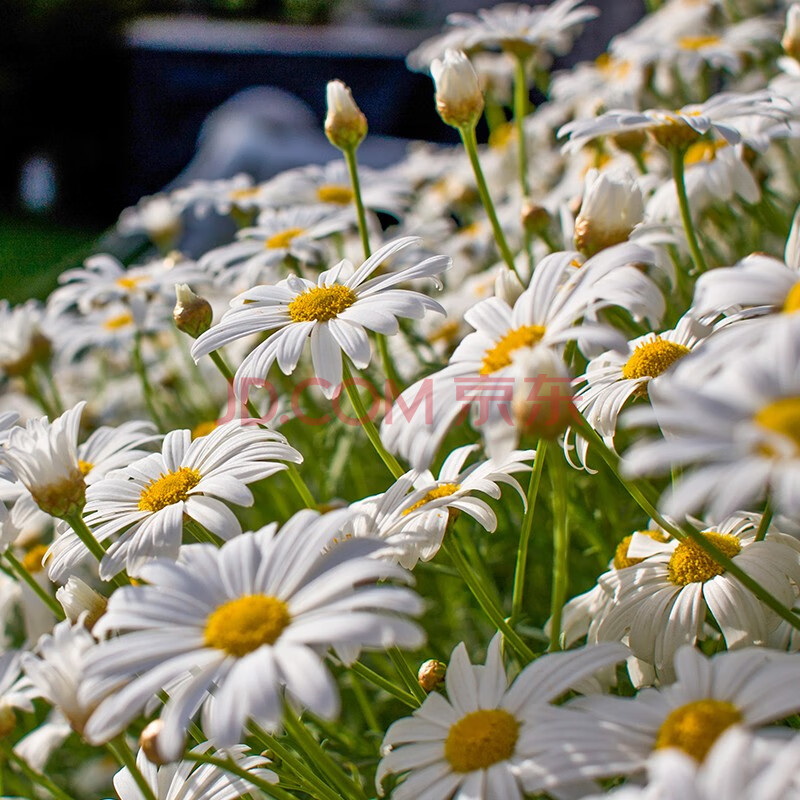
x=384 y=683
x=766 y=519
x=58 y=404
x=525 y=534
x=676 y=158
x=367 y=424
x=364 y=704
x=201 y=533
x=18 y=567
x=352 y=169
x=147 y=388
x=33 y=391
x=317 y=755
x=521 y=100
x=560 y=550
x=471 y=146
x=119 y=749
x=646 y=497
x=35 y=777
x=310 y=782
x=97 y=549
x=294 y=474
x=407 y=675
x=484 y=601
x=234 y=769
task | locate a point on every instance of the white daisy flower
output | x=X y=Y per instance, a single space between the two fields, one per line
x=246 y=620
x=605 y=736
x=44 y=457
x=108 y=448
x=57 y=670
x=147 y=501
x=488 y=740
x=329 y=186
x=661 y=602
x=413 y=515
x=257 y=253
x=16 y=691
x=681 y=127
x=335 y=313
x=158 y=217
x=559 y=295
x=615 y=377
x=224 y=196
x=24 y=340
x=190 y=780
x=737 y=435
x=740 y=766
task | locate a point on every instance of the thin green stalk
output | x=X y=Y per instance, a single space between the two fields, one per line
x=525 y=534
x=19 y=568
x=494 y=614
x=118 y=747
x=58 y=404
x=309 y=781
x=35 y=393
x=560 y=550
x=364 y=704
x=97 y=549
x=521 y=103
x=352 y=169
x=147 y=388
x=638 y=157
x=367 y=424
x=676 y=158
x=33 y=776
x=766 y=519
x=471 y=146
x=493 y=114
x=647 y=498
x=294 y=474
x=409 y=678
x=201 y=533
x=231 y=767
x=388 y=686
x=317 y=755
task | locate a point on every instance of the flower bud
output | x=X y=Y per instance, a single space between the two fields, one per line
x=148 y=741
x=535 y=218
x=192 y=314
x=507 y=286
x=459 y=100
x=431 y=674
x=345 y=124
x=791 y=36
x=542 y=404
x=612 y=207
x=80 y=602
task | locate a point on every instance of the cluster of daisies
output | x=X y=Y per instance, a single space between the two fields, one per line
x=472 y=478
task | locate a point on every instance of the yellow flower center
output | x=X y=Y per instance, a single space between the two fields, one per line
x=703 y=151
x=85 y=467
x=169 y=488
x=695 y=726
x=282 y=239
x=244 y=194
x=332 y=193
x=781 y=416
x=612 y=67
x=445 y=490
x=792 y=301
x=650 y=359
x=242 y=625
x=499 y=356
x=321 y=303
x=621 y=559
x=481 y=739
x=697 y=42
x=129 y=282
x=32 y=560
x=689 y=564
x=203 y=428
x=675 y=131
x=118 y=321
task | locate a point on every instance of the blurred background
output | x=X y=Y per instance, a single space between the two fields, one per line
x=104 y=101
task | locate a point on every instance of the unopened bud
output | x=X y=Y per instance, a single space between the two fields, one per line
x=148 y=741
x=80 y=602
x=791 y=36
x=535 y=218
x=345 y=124
x=507 y=286
x=612 y=207
x=542 y=404
x=192 y=314
x=459 y=99
x=431 y=674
